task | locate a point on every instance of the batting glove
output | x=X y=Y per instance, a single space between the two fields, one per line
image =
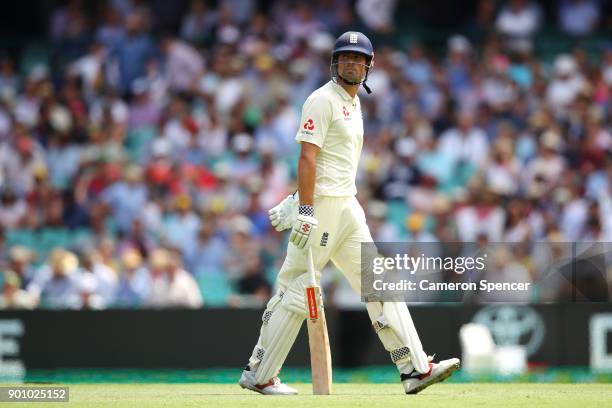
x=283 y=216
x=303 y=227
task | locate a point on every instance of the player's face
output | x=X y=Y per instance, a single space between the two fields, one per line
x=352 y=66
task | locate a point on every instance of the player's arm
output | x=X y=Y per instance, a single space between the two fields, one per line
x=316 y=118
x=284 y=214
x=307 y=168
x=305 y=223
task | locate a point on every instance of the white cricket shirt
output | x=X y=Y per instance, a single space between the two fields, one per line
x=332 y=120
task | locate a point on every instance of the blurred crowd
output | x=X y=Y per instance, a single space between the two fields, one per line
x=138 y=162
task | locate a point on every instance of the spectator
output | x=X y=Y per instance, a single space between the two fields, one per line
x=301 y=24
x=127 y=197
x=503 y=174
x=498 y=90
x=62 y=159
x=159 y=261
x=20 y=263
x=505 y=268
x=578 y=17
x=138 y=238
x=482 y=218
x=544 y=171
x=90 y=68
x=415 y=225
x=566 y=85
x=197 y=24
x=133 y=51
x=9 y=81
x=145 y=112
x=99 y=280
x=13 y=296
x=13 y=209
x=457 y=66
x=183 y=291
x=377 y=14
x=19 y=162
x=69 y=27
x=111 y=31
x=182 y=225
x=205 y=255
x=134 y=281
x=234 y=266
x=253 y=288
x=57 y=284
x=484 y=23
x=465 y=142
x=518 y=21
x=381 y=229
x=184 y=64
x=418 y=68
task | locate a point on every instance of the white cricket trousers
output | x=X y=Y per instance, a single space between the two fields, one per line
x=341 y=230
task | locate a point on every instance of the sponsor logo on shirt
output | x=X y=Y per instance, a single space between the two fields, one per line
x=309 y=125
x=345 y=112
x=324 y=238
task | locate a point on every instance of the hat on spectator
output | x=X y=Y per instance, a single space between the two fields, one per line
x=38 y=72
x=242 y=225
x=61 y=120
x=228 y=34
x=321 y=42
x=131 y=258
x=415 y=222
x=565 y=65
x=159 y=259
x=133 y=173
x=551 y=140
x=63 y=261
x=183 y=201
x=406 y=147
x=458 y=43
x=12 y=279
x=40 y=172
x=20 y=254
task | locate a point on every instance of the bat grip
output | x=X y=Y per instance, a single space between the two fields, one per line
x=312 y=281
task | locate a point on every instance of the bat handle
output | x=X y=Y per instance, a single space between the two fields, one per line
x=312 y=280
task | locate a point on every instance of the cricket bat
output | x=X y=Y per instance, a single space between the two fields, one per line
x=318 y=339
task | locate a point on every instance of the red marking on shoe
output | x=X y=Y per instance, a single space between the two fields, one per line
x=427 y=374
x=262 y=386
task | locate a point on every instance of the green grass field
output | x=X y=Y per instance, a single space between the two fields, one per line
x=345 y=395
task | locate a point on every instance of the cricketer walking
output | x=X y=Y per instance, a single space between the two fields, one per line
x=329 y=219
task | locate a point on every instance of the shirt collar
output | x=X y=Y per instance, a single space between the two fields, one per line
x=342 y=92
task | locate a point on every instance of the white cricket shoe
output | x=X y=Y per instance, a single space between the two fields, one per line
x=272 y=387
x=416 y=382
